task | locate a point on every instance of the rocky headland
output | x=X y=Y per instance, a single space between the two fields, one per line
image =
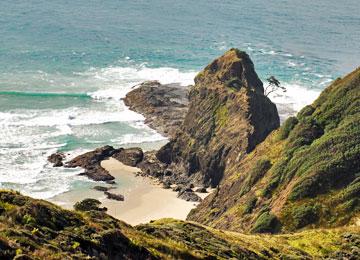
x=302 y=177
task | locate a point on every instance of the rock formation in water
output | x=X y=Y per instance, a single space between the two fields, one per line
x=228 y=116
x=164 y=106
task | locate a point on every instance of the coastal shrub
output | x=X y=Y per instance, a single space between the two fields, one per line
x=305 y=215
x=351 y=205
x=352 y=191
x=250 y=205
x=286 y=128
x=256 y=173
x=87 y=205
x=278 y=171
x=12 y=197
x=306 y=111
x=304 y=133
x=266 y=223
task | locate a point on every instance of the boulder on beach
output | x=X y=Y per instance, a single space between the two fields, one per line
x=114 y=196
x=201 y=190
x=129 y=156
x=189 y=196
x=91 y=162
x=102 y=188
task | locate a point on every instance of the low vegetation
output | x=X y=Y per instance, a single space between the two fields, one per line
x=36 y=229
x=306 y=174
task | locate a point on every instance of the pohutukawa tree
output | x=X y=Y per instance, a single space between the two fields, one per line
x=274 y=85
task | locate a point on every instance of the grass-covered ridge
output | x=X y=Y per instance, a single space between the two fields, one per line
x=313 y=179
x=36 y=229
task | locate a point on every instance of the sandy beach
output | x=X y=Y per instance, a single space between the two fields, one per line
x=145 y=200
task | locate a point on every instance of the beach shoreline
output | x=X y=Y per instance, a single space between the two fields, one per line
x=145 y=199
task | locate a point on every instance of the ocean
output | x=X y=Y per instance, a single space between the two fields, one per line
x=65 y=65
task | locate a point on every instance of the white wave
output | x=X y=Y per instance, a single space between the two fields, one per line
x=138 y=138
x=117 y=81
x=295 y=98
x=65 y=118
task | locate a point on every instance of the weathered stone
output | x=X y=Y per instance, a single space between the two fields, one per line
x=90 y=161
x=201 y=190
x=228 y=116
x=189 y=196
x=113 y=196
x=164 y=106
x=57 y=159
x=130 y=156
x=101 y=188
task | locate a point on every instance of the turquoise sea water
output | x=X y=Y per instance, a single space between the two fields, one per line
x=65 y=65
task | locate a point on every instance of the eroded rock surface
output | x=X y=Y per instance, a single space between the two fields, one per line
x=228 y=116
x=163 y=106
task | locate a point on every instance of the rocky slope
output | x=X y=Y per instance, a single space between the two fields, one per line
x=228 y=116
x=36 y=229
x=163 y=106
x=304 y=175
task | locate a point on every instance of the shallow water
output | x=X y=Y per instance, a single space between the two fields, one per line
x=65 y=65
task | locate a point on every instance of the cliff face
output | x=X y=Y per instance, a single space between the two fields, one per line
x=35 y=229
x=305 y=174
x=228 y=116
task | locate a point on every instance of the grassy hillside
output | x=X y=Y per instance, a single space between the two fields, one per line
x=35 y=229
x=304 y=175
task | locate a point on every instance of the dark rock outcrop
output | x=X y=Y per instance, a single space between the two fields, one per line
x=228 y=116
x=57 y=159
x=113 y=196
x=90 y=161
x=164 y=106
x=201 y=190
x=130 y=156
x=102 y=188
x=189 y=195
